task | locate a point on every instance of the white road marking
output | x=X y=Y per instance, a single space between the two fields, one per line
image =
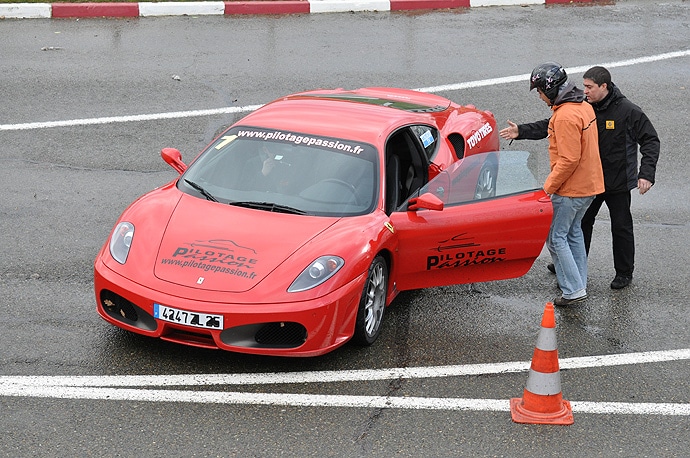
x=569 y=70
x=394 y=373
x=229 y=110
x=101 y=387
x=321 y=400
x=130 y=118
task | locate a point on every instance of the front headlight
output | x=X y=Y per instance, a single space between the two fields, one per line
x=121 y=241
x=318 y=272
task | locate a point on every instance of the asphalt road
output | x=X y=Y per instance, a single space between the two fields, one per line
x=65 y=375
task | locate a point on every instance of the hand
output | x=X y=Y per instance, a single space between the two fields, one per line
x=643 y=185
x=509 y=133
x=267 y=166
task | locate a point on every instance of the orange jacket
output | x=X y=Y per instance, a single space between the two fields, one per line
x=574 y=152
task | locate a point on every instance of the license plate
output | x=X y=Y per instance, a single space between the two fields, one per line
x=197 y=320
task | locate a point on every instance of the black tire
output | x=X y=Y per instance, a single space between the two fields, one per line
x=372 y=305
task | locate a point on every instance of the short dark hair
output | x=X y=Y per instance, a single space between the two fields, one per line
x=599 y=75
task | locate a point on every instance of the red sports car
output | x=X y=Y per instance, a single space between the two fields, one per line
x=293 y=230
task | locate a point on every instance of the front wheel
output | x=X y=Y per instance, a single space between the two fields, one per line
x=372 y=305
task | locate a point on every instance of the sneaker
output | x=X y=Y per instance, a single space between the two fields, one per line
x=620 y=282
x=551 y=268
x=562 y=302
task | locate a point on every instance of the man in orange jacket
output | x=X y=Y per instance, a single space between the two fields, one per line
x=622 y=126
x=576 y=176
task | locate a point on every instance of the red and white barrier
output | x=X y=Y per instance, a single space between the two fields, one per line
x=148 y=9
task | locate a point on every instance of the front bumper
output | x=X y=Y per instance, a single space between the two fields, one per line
x=306 y=328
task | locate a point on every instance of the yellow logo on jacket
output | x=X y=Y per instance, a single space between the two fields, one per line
x=610 y=124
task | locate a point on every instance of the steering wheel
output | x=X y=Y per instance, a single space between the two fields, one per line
x=344 y=184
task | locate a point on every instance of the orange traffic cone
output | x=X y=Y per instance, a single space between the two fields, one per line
x=542 y=401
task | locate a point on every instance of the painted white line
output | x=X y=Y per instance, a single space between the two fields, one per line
x=116 y=119
x=337 y=376
x=268 y=378
x=281 y=399
x=569 y=70
x=623 y=359
x=102 y=387
x=227 y=110
x=631 y=408
x=320 y=400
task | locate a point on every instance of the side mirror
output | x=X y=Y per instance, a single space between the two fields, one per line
x=174 y=158
x=427 y=201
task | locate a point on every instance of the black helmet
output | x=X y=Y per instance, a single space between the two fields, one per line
x=548 y=77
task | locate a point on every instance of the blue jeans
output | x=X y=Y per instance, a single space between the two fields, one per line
x=566 y=244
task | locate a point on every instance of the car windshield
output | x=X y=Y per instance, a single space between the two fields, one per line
x=286 y=172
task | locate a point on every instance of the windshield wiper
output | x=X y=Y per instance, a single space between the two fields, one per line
x=269 y=206
x=201 y=189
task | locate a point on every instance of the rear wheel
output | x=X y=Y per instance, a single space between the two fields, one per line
x=486 y=182
x=372 y=305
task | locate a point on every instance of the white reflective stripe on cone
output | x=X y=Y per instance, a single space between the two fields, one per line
x=546 y=341
x=543 y=384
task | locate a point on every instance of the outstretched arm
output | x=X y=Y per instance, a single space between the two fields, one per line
x=530 y=131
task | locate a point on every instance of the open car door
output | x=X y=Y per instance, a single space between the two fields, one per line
x=484 y=218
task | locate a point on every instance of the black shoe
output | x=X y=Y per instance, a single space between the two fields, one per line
x=620 y=282
x=562 y=302
x=551 y=268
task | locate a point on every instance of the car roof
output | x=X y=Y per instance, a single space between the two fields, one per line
x=362 y=114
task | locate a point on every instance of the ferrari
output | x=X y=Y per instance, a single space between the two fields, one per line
x=292 y=232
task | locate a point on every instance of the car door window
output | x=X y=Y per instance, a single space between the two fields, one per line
x=485 y=176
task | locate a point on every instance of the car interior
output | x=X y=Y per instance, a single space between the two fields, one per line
x=406 y=168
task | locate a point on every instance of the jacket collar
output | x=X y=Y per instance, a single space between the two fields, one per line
x=613 y=95
x=569 y=93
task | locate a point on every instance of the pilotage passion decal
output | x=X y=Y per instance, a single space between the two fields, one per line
x=215 y=256
x=460 y=251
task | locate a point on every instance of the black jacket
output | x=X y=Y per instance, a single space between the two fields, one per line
x=622 y=126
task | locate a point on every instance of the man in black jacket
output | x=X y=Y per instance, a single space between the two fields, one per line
x=622 y=127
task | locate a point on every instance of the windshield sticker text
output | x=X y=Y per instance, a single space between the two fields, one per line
x=297 y=139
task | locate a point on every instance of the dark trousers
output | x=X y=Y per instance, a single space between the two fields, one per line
x=621 y=229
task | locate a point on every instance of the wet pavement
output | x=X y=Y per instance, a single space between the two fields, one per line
x=65 y=185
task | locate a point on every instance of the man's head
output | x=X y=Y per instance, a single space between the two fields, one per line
x=597 y=83
x=547 y=78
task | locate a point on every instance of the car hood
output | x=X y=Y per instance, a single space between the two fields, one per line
x=217 y=247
